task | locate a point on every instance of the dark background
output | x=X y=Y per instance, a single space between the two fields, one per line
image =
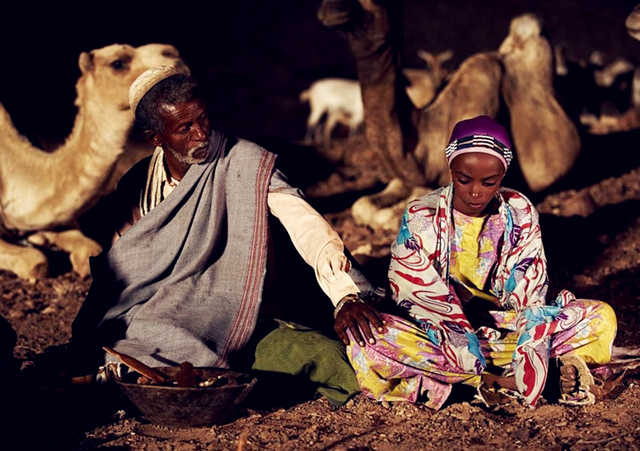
x=254 y=57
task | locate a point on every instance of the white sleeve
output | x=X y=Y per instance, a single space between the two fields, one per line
x=316 y=241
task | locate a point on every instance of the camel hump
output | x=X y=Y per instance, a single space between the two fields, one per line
x=545 y=139
x=633 y=23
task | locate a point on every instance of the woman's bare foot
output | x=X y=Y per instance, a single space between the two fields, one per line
x=575 y=381
x=497 y=382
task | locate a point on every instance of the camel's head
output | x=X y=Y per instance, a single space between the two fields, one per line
x=369 y=24
x=107 y=73
x=434 y=63
x=633 y=23
x=523 y=29
x=349 y=13
x=337 y=13
x=526 y=47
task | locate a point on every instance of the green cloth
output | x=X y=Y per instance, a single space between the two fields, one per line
x=312 y=359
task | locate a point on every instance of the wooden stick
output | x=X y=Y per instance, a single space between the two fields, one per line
x=135 y=364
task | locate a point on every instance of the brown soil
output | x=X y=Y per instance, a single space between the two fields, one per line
x=595 y=257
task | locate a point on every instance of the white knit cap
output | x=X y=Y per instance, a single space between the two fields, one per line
x=146 y=81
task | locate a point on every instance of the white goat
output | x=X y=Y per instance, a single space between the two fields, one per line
x=340 y=100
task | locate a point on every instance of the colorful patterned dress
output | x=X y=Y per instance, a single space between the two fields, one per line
x=472 y=295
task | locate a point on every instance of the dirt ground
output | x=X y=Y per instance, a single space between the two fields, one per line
x=596 y=257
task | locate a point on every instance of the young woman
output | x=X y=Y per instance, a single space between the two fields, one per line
x=469 y=275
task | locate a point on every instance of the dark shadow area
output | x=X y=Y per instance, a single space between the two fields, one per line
x=568 y=241
x=573 y=245
x=278 y=390
x=340 y=202
x=302 y=165
x=45 y=418
x=604 y=156
x=291 y=285
x=59 y=262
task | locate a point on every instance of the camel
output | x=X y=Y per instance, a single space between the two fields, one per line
x=545 y=139
x=626 y=120
x=43 y=194
x=633 y=23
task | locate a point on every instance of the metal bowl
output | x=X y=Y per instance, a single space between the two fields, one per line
x=187 y=407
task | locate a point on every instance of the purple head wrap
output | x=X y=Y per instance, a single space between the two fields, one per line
x=480 y=134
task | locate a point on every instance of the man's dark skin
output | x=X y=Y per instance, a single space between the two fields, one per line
x=357 y=317
x=185 y=135
x=185 y=139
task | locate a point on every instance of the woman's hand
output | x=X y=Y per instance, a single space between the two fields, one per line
x=358 y=318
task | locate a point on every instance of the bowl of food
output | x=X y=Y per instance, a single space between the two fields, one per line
x=185 y=396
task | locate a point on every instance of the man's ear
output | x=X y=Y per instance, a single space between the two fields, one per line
x=153 y=138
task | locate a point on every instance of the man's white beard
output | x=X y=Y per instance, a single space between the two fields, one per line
x=191 y=158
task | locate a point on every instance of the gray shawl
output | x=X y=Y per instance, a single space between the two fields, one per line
x=187 y=278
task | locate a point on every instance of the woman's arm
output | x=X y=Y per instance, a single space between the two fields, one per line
x=421 y=290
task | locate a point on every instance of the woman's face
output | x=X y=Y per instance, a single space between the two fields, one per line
x=476 y=178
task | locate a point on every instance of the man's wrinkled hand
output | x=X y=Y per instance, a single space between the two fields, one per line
x=358 y=318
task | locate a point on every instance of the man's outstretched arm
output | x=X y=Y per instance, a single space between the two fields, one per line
x=321 y=247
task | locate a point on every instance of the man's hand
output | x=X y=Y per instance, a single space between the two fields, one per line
x=358 y=317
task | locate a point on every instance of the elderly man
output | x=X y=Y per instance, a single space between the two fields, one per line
x=188 y=275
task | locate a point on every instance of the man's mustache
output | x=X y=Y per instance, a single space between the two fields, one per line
x=198 y=148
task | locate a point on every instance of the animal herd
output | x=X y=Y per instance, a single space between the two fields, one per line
x=406 y=115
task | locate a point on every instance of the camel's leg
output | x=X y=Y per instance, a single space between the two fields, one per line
x=384 y=210
x=26 y=262
x=79 y=247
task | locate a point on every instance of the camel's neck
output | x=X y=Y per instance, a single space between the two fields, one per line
x=95 y=143
x=532 y=67
x=43 y=190
x=376 y=47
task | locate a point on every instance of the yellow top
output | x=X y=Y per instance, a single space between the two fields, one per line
x=472 y=255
